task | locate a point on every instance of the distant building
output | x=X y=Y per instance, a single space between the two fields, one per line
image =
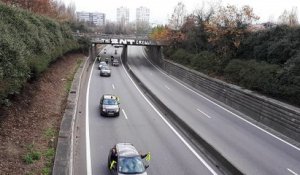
x=93 y=18
x=123 y=15
x=142 y=14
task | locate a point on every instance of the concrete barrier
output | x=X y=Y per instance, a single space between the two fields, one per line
x=64 y=149
x=207 y=149
x=277 y=115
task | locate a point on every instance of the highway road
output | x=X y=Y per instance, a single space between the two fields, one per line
x=139 y=123
x=250 y=148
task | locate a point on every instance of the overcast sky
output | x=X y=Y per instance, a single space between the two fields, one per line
x=161 y=10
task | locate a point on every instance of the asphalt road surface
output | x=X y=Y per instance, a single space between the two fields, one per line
x=140 y=124
x=250 y=148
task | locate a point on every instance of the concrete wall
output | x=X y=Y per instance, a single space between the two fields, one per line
x=64 y=149
x=279 y=116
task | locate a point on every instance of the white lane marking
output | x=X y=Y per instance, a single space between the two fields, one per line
x=167 y=87
x=113 y=86
x=87 y=128
x=172 y=128
x=291 y=171
x=225 y=108
x=124 y=114
x=203 y=113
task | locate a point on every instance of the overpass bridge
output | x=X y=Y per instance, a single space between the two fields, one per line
x=125 y=40
x=137 y=40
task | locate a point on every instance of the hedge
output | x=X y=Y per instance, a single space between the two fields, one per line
x=28 y=43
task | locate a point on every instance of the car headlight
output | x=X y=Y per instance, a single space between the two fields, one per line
x=117 y=110
x=104 y=110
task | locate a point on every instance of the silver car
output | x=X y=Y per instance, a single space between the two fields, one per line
x=102 y=63
x=105 y=71
x=123 y=159
x=109 y=105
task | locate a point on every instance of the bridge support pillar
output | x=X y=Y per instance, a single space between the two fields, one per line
x=94 y=50
x=124 y=54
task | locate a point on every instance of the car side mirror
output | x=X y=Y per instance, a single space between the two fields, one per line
x=146 y=166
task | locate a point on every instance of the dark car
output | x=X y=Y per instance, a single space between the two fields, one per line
x=105 y=71
x=123 y=158
x=115 y=62
x=109 y=105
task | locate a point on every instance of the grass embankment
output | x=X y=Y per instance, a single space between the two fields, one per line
x=28 y=44
x=32 y=48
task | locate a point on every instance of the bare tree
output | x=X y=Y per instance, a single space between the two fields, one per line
x=178 y=16
x=289 y=17
x=71 y=11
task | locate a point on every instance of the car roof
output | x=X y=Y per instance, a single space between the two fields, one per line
x=109 y=96
x=126 y=150
x=105 y=66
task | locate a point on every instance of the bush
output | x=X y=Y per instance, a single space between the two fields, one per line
x=84 y=44
x=28 y=44
x=32 y=156
x=50 y=153
x=253 y=75
x=182 y=57
x=276 y=45
x=206 y=62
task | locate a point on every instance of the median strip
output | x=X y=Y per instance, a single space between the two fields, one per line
x=208 y=150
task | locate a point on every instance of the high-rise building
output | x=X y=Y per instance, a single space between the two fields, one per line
x=123 y=15
x=94 y=18
x=142 y=15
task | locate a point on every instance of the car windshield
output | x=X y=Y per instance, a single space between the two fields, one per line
x=110 y=102
x=131 y=165
x=105 y=68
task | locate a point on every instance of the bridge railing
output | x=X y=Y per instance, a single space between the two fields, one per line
x=143 y=40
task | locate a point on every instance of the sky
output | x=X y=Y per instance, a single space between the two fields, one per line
x=161 y=10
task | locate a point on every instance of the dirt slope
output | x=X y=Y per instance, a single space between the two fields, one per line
x=31 y=123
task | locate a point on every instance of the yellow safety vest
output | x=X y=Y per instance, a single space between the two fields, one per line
x=112 y=164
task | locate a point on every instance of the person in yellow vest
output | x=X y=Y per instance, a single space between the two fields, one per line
x=114 y=159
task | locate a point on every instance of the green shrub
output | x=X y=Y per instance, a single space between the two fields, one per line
x=46 y=171
x=28 y=159
x=32 y=156
x=206 y=62
x=181 y=56
x=253 y=75
x=36 y=155
x=29 y=43
x=50 y=153
x=276 y=45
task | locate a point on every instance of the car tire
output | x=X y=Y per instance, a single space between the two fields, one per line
x=118 y=114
